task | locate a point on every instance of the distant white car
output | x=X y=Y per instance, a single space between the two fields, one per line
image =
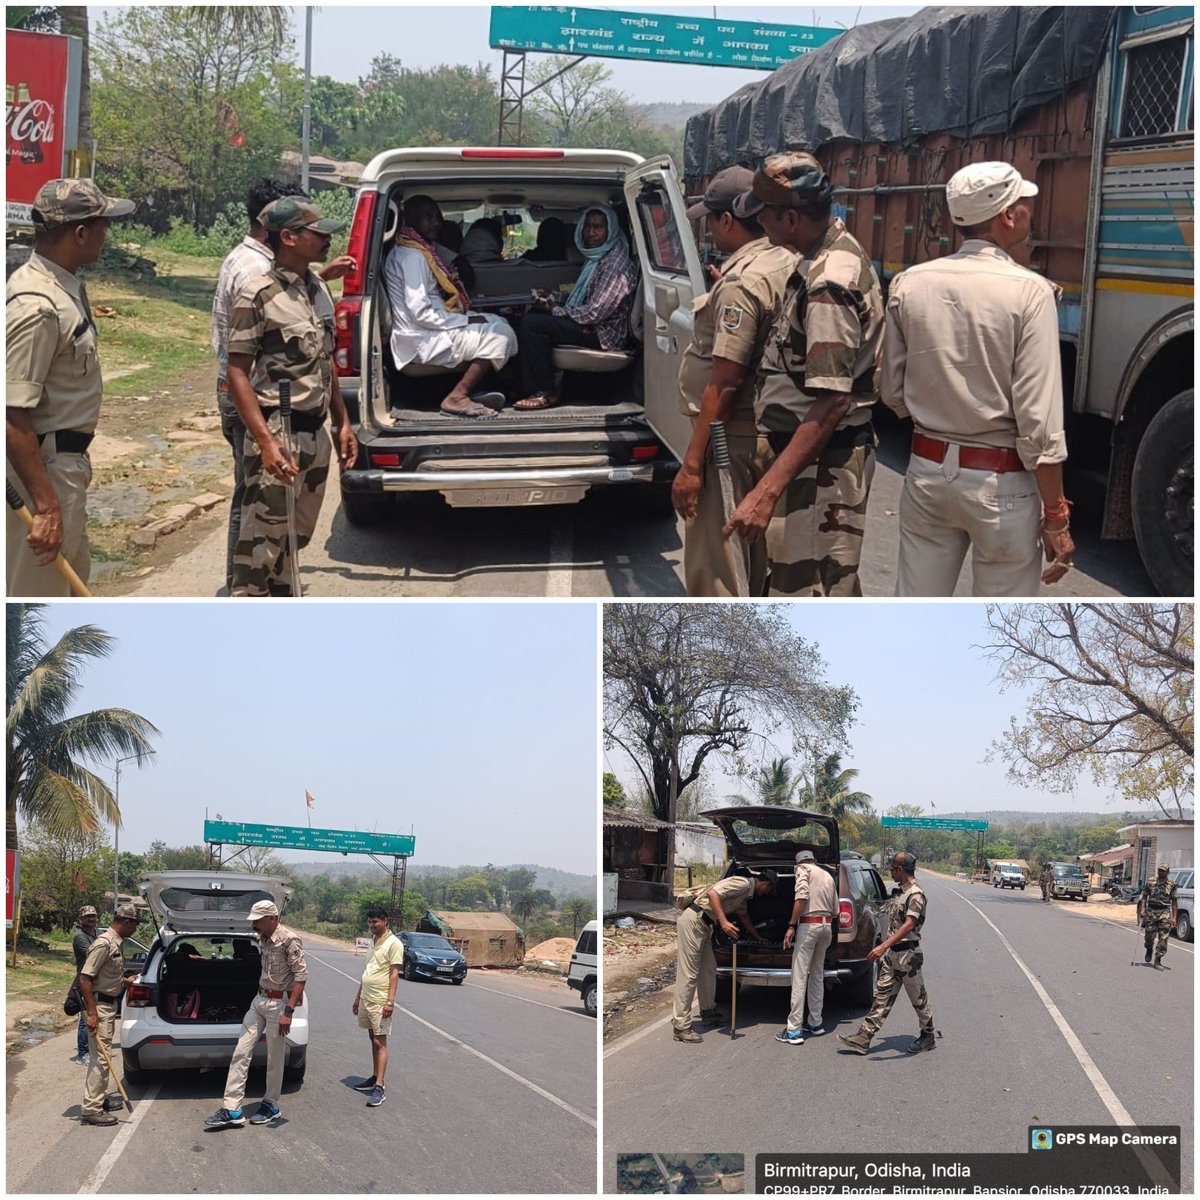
x=1184 y=879
x=583 y=973
x=201 y=974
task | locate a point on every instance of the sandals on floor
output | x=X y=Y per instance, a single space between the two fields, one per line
x=538 y=400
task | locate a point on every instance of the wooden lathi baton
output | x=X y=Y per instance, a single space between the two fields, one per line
x=112 y=1071
x=64 y=568
x=724 y=465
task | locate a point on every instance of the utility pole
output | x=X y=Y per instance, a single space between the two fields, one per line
x=307 y=127
x=117 y=822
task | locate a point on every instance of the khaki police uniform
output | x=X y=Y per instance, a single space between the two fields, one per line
x=827 y=337
x=285 y=323
x=901 y=966
x=972 y=355
x=52 y=370
x=816 y=887
x=283 y=966
x=695 y=964
x=732 y=322
x=104 y=965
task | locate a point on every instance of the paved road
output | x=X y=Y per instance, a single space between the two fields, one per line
x=603 y=547
x=1005 y=1060
x=491 y=1089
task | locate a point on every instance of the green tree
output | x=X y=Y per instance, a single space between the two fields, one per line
x=49 y=783
x=683 y=681
x=60 y=872
x=530 y=901
x=828 y=790
x=471 y=891
x=775 y=783
x=1110 y=693
x=905 y=810
x=449 y=106
x=161 y=857
x=367 y=898
x=614 y=793
x=578 y=911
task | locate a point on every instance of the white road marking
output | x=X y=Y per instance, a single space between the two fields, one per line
x=491 y=1062
x=100 y=1172
x=1120 y=1115
x=637 y=1037
x=559 y=568
x=570 y=1012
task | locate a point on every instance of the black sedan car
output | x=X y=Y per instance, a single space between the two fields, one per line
x=430 y=956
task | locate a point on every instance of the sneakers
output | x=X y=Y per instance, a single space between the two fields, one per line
x=814 y=1030
x=790 y=1038
x=224 y=1118
x=85 y=1059
x=927 y=1041
x=265 y=1113
x=687 y=1035
x=377 y=1097
x=102 y=1119
x=857 y=1043
x=367 y=1085
x=712 y=1016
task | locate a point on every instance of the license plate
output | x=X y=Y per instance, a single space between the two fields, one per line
x=445 y=970
x=513 y=497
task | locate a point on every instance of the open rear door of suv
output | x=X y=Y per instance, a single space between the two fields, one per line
x=672 y=277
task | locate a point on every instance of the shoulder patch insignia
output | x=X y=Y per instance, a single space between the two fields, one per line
x=731 y=317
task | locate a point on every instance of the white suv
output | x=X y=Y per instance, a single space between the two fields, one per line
x=201 y=974
x=619 y=409
x=1184 y=879
x=582 y=974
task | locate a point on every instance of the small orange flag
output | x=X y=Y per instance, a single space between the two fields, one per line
x=308 y=798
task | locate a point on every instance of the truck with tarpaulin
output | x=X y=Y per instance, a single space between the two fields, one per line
x=1094 y=105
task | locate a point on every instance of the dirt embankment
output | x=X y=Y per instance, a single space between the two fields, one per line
x=639 y=972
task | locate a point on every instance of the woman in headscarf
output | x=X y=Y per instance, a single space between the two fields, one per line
x=596 y=314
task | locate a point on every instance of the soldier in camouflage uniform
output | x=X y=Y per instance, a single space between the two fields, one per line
x=902 y=962
x=815 y=390
x=1159 y=910
x=280 y=330
x=1046 y=876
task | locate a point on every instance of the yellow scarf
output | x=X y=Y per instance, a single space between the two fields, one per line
x=447 y=279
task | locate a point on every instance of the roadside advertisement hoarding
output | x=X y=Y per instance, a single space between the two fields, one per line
x=36 y=123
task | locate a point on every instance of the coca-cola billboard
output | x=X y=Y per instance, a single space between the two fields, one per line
x=37 y=73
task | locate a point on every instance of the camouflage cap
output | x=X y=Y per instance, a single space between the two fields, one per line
x=87 y=911
x=68 y=201
x=263 y=908
x=1163 y=868
x=723 y=189
x=125 y=912
x=788 y=180
x=293 y=212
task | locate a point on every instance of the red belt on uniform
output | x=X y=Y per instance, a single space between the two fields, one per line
x=814 y=920
x=970 y=458
x=271 y=995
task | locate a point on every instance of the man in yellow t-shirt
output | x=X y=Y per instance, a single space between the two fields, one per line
x=376 y=998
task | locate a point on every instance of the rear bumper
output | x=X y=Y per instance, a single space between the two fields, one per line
x=160 y=1052
x=548 y=478
x=774 y=977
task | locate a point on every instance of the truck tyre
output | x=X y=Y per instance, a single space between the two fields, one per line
x=1163 y=494
x=130 y=1069
x=364 y=510
x=589 y=997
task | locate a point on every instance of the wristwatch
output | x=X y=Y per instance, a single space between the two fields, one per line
x=288 y=1010
x=791 y=924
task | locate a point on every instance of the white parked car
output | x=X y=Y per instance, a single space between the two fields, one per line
x=583 y=973
x=201 y=974
x=1184 y=879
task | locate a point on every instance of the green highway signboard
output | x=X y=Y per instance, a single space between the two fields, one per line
x=654 y=37
x=931 y=823
x=299 y=837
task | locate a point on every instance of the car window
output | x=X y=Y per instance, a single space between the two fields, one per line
x=661 y=232
x=587 y=942
x=428 y=941
x=187 y=900
x=756 y=835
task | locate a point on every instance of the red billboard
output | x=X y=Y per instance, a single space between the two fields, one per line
x=35 y=116
x=12 y=884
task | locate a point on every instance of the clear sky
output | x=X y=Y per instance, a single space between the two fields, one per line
x=472 y=726
x=346 y=38
x=929 y=710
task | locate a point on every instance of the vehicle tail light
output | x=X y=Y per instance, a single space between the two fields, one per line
x=506 y=152
x=845 y=914
x=160 y=1041
x=360 y=240
x=642 y=453
x=389 y=459
x=345 y=321
x=139 y=995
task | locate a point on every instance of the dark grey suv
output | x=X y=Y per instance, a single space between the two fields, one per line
x=769 y=836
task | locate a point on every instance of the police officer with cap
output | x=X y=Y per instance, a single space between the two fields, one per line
x=280 y=990
x=816 y=388
x=282 y=329
x=53 y=385
x=716 y=383
x=971 y=354
x=902 y=960
x=101 y=981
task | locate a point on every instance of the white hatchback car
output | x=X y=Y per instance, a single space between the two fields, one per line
x=201 y=974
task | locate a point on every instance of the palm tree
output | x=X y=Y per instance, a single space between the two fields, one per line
x=47 y=780
x=829 y=792
x=775 y=783
x=579 y=911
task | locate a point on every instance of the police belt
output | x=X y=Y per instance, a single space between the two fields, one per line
x=844 y=438
x=705 y=916
x=302 y=422
x=905 y=946
x=271 y=995
x=1158 y=908
x=107 y=999
x=68 y=441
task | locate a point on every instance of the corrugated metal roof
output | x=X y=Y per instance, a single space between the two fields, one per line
x=624 y=820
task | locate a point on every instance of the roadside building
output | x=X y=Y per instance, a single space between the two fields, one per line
x=636 y=851
x=1155 y=842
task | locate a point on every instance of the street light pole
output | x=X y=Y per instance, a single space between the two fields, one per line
x=117 y=822
x=307 y=118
